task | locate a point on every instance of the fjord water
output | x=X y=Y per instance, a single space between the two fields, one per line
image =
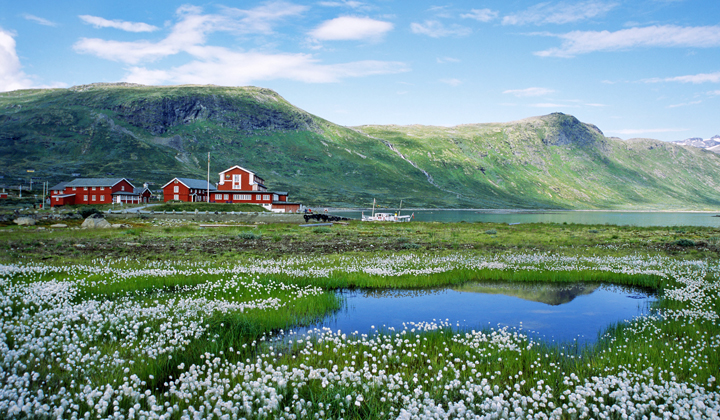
x=622 y=218
x=549 y=312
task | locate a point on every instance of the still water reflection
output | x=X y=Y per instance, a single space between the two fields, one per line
x=549 y=312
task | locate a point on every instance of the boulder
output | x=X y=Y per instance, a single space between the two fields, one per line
x=58 y=225
x=25 y=221
x=96 y=221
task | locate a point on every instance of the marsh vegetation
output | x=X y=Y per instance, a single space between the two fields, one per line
x=181 y=322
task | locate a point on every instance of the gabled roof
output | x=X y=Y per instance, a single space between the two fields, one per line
x=196 y=184
x=140 y=190
x=238 y=167
x=59 y=187
x=96 y=182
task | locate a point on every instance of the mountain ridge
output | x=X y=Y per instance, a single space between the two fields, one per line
x=156 y=133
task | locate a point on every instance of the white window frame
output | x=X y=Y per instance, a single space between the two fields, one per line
x=94 y=198
x=177 y=197
x=266 y=197
x=176 y=189
x=218 y=196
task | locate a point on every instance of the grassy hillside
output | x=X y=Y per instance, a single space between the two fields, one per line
x=556 y=160
x=157 y=133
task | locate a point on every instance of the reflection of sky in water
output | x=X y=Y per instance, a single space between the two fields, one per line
x=589 y=311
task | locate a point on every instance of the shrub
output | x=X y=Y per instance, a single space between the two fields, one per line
x=409 y=245
x=684 y=242
x=249 y=235
x=491 y=232
x=593 y=231
x=322 y=229
x=86 y=212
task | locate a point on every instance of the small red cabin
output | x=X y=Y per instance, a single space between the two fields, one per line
x=186 y=189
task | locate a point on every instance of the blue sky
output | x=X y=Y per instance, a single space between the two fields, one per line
x=641 y=68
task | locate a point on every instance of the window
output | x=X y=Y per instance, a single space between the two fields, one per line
x=84 y=188
x=226 y=197
x=266 y=197
x=85 y=199
x=102 y=198
x=275 y=197
x=236 y=182
x=177 y=197
x=242 y=197
x=94 y=198
x=176 y=189
x=74 y=189
x=122 y=188
x=218 y=196
x=102 y=188
x=93 y=188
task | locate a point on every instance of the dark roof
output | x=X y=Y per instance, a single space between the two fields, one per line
x=95 y=182
x=140 y=190
x=59 y=187
x=196 y=184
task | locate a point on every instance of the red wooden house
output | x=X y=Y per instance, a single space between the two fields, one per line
x=236 y=185
x=186 y=189
x=91 y=191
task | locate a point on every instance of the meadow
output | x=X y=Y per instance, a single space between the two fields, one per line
x=181 y=322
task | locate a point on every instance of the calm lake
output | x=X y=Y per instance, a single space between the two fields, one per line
x=630 y=218
x=552 y=313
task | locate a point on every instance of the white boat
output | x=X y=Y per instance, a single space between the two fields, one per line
x=387 y=217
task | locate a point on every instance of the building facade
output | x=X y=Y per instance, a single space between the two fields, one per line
x=90 y=191
x=235 y=185
x=186 y=189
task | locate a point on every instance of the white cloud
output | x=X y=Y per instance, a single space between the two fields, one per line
x=714 y=93
x=559 y=13
x=192 y=29
x=435 y=29
x=443 y=60
x=260 y=19
x=695 y=78
x=451 y=82
x=99 y=22
x=684 y=104
x=481 y=15
x=343 y=3
x=11 y=74
x=533 y=91
x=226 y=67
x=583 y=42
x=346 y=28
x=39 y=20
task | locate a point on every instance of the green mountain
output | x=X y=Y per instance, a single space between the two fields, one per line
x=152 y=134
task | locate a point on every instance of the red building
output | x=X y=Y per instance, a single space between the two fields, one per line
x=236 y=185
x=186 y=189
x=91 y=191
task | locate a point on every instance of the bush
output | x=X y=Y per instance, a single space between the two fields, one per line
x=322 y=229
x=593 y=231
x=409 y=245
x=491 y=232
x=249 y=235
x=684 y=242
x=86 y=212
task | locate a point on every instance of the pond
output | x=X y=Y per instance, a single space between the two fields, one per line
x=630 y=218
x=550 y=312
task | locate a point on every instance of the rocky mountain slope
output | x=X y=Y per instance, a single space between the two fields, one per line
x=709 y=144
x=156 y=133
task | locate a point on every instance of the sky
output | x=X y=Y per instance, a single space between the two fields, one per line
x=634 y=68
